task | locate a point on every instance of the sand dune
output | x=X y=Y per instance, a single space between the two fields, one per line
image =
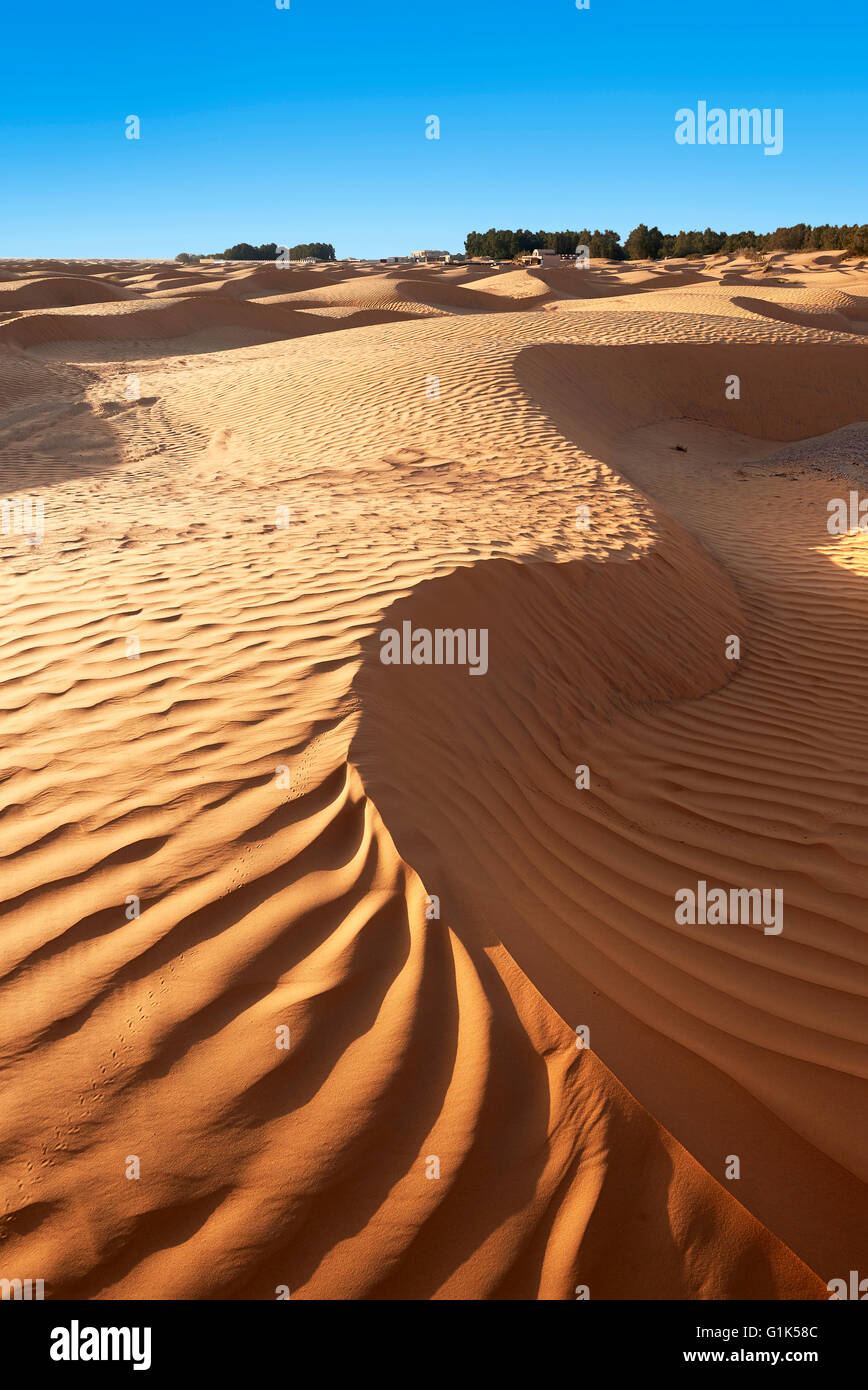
x=407 y=289
x=226 y=817
x=58 y=291
x=156 y=319
x=248 y=284
x=513 y=284
x=837 y=311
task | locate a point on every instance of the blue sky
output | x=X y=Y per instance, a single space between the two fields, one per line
x=261 y=124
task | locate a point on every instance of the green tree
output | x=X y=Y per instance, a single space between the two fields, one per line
x=320 y=250
x=642 y=244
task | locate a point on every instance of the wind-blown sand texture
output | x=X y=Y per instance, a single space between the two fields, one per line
x=196 y=719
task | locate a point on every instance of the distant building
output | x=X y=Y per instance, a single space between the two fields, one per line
x=430 y=255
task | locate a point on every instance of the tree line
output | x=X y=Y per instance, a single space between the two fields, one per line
x=268 y=251
x=506 y=245
x=649 y=243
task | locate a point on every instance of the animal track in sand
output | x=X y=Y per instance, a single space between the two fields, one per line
x=400 y=458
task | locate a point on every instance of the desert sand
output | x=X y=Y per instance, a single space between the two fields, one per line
x=224 y=817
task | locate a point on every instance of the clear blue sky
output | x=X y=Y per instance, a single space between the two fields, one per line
x=260 y=124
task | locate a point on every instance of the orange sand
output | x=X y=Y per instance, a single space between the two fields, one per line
x=195 y=715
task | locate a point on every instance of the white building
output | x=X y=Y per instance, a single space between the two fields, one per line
x=549 y=258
